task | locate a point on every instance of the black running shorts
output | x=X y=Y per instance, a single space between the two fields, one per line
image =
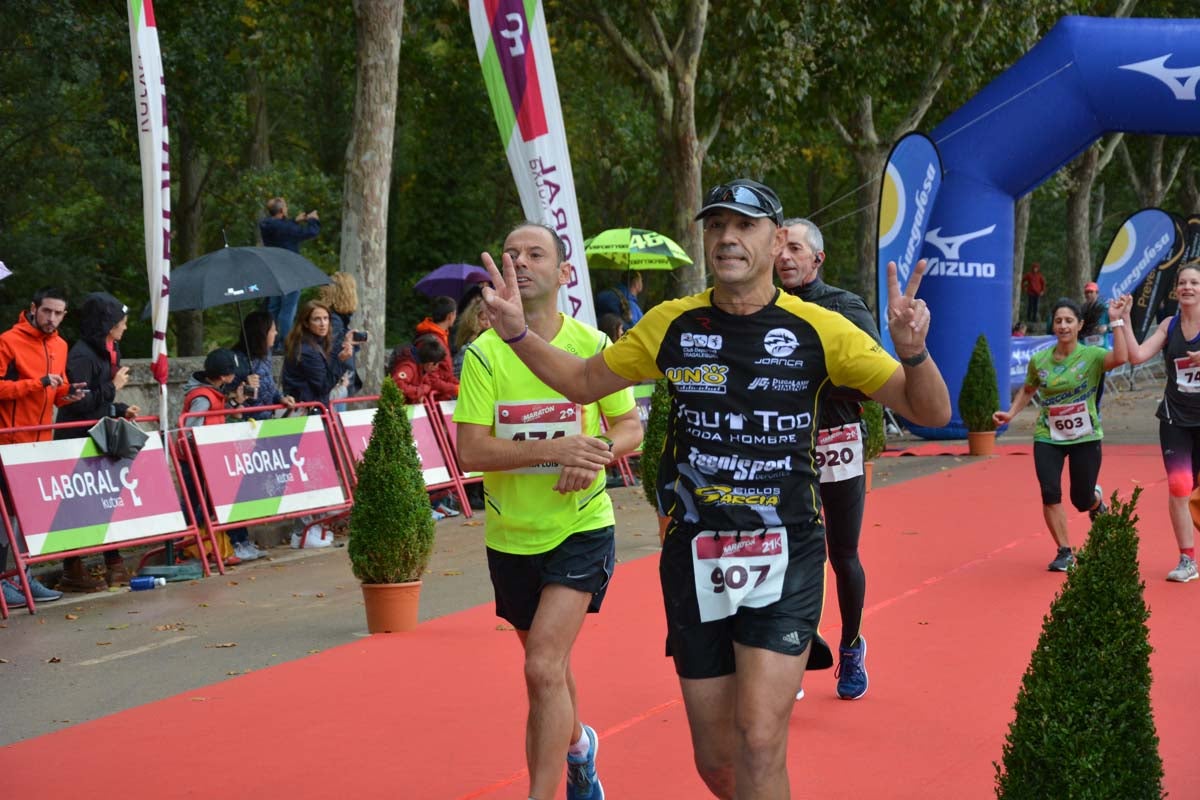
x=584 y=562
x=705 y=649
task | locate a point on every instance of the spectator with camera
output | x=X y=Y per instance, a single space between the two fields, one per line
x=341 y=296
x=255 y=345
x=95 y=362
x=279 y=231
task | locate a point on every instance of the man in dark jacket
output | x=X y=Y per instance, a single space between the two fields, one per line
x=843 y=485
x=279 y=231
x=95 y=360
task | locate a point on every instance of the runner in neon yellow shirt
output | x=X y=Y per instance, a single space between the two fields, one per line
x=549 y=519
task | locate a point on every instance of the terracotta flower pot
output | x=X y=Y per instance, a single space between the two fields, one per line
x=391 y=607
x=981 y=443
x=662 y=529
x=868 y=470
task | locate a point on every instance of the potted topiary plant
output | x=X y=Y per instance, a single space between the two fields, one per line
x=876 y=437
x=652 y=446
x=978 y=399
x=391 y=524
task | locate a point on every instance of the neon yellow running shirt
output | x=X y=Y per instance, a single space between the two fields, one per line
x=525 y=515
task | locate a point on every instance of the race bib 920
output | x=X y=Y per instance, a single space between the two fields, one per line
x=839 y=453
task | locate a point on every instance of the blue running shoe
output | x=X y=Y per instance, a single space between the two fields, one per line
x=851 y=671
x=582 y=781
x=40 y=592
x=13 y=596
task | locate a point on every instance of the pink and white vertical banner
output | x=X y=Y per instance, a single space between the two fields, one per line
x=514 y=51
x=150 y=99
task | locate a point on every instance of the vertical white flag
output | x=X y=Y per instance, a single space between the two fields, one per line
x=514 y=51
x=150 y=97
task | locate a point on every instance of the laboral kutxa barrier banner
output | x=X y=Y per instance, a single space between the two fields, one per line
x=358 y=424
x=68 y=495
x=910 y=185
x=514 y=52
x=254 y=470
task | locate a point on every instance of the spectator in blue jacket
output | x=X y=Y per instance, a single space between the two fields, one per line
x=257 y=341
x=622 y=299
x=313 y=363
x=279 y=231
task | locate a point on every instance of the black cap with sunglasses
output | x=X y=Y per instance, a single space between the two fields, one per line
x=746 y=197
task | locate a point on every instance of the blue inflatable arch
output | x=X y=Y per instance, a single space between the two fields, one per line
x=1087 y=77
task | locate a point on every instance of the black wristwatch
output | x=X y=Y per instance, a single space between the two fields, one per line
x=913 y=361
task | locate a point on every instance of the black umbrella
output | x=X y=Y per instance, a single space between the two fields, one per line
x=234 y=274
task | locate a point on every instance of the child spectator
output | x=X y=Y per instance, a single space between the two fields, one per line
x=416 y=369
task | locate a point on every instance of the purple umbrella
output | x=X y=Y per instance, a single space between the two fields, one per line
x=451 y=280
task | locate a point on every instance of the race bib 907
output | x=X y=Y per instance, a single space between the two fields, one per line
x=735 y=569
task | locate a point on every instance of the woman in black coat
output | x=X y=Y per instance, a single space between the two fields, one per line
x=311 y=365
x=95 y=360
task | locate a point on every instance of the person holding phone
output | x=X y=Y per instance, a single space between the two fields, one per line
x=33 y=360
x=256 y=343
x=340 y=296
x=95 y=371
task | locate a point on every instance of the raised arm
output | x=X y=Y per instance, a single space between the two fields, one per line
x=1141 y=353
x=917 y=391
x=579 y=380
x=1118 y=311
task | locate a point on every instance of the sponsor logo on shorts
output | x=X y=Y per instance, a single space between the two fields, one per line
x=792 y=638
x=702 y=379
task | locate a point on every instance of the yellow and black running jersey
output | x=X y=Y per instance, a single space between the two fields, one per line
x=745 y=399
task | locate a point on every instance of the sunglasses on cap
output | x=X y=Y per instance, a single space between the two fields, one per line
x=751 y=201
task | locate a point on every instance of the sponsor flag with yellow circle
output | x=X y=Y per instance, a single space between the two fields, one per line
x=910 y=185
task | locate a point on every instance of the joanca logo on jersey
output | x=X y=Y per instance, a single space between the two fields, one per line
x=950 y=265
x=1180 y=80
x=703 y=379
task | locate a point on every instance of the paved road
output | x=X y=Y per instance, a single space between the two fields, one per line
x=90 y=655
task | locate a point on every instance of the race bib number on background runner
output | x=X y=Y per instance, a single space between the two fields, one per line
x=734 y=570
x=1187 y=376
x=839 y=453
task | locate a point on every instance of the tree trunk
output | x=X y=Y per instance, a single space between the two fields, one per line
x=186 y=218
x=684 y=160
x=258 y=155
x=1020 y=236
x=871 y=161
x=1082 y=176
x=369 y=172
x=1190 y=194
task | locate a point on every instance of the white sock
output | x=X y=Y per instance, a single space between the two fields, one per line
x=581 y=747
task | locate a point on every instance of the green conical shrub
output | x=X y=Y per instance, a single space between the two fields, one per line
x=391 y=524
x=653 y=439
x=979 y=396
x=1083 y=728
x=876 y=434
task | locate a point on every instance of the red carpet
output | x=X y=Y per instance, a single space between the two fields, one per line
x=952 y=449
x=957 y=589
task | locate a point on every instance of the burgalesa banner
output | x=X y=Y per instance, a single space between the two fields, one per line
x=68 y=495
x=910 y=184
x=1154 y=297
x=254 y=470
x=1142 y=242
x=514 y=51
x=150 y=96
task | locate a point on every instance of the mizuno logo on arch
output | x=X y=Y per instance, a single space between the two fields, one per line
x=950 y=245
x=1181 y=80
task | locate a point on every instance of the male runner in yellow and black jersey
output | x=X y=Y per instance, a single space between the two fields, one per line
x=742 y=567
x=839 y=451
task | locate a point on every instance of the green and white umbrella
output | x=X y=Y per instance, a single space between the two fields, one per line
x=633 y=249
